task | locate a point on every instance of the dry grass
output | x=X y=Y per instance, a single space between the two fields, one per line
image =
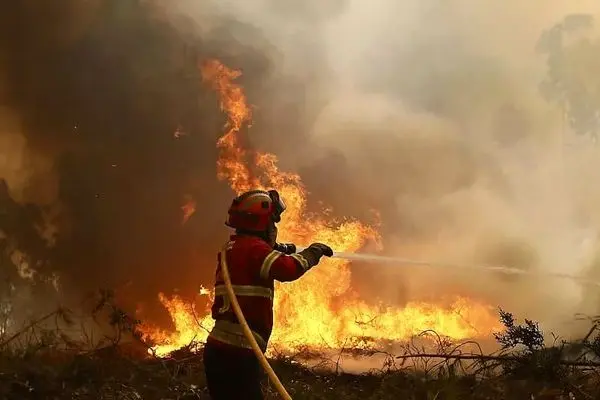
x=41 y=361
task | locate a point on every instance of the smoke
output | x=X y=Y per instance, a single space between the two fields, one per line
x=425 y=111
x=104 y=119
x=488 y=180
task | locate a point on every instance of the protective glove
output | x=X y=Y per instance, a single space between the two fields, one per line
x=285 y=248
x=313 y=253
x=323 y=248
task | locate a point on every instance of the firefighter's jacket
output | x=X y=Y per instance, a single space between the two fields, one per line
x=253 y=268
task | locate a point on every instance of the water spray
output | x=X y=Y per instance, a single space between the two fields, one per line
x=399 y=261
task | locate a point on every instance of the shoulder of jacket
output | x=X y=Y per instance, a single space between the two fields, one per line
x=257 y=243
x=248 y=242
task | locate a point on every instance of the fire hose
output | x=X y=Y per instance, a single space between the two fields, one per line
x=248 y=333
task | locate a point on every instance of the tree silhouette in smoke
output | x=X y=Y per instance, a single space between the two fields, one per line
x=25 y=252
x=572 y=76
x=20 y=226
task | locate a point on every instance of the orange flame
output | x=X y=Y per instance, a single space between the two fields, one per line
x=305 y=310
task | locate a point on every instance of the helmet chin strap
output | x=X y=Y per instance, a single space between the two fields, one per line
x=272 y=234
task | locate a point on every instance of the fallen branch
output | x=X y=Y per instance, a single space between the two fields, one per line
x=30 y=326
x=481 y=357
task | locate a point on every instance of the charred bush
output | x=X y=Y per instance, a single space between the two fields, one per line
x=528 y=335
x=530 y=358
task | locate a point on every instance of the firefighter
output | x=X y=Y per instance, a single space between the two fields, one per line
x=255 y=260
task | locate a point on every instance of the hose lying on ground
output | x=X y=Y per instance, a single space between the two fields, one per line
x=248 y=333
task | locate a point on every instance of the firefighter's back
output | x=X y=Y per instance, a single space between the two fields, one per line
x=245 y=257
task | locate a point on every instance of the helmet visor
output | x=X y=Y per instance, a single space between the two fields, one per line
x=278 y=205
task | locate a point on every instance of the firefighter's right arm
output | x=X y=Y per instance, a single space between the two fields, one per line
x=286 y=268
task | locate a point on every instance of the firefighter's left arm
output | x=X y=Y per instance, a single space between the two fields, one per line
x=282 y=267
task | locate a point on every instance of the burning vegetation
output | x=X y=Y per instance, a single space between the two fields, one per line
x=305 y=311
x=44 y=361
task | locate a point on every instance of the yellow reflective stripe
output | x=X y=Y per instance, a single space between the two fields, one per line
x=232 y=333
x=303 y=262
x=265 y=269
x=245 y=290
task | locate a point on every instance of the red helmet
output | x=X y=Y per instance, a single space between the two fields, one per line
x=254 y=210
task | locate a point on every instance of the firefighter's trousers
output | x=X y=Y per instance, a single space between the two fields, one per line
x=232 y=374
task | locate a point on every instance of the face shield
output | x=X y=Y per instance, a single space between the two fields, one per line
x=278 y=205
